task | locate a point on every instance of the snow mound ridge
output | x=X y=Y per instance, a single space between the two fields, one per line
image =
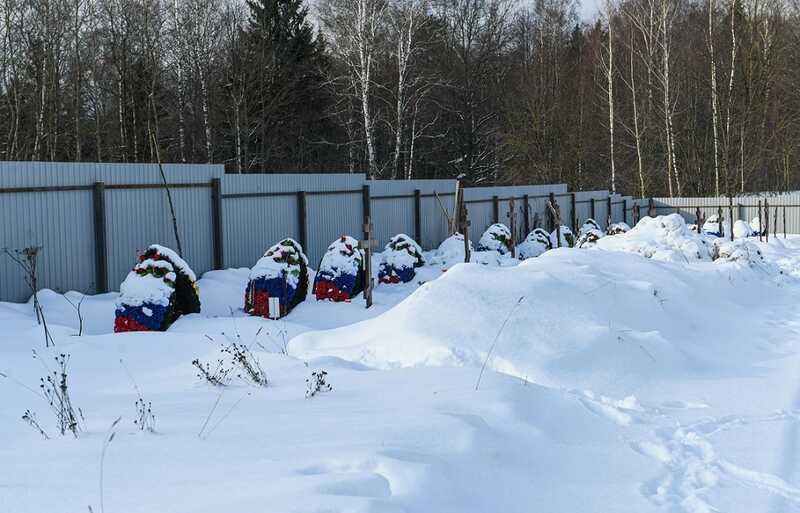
x=562 y=328
x=664 y=238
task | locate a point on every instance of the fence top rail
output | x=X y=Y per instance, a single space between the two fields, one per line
x=115 y=186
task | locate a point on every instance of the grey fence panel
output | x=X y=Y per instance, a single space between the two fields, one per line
x=61 y=223
x=53 y=174
x=744 y=208
x=252 y=225
x=481 y=216
x=136 y=218
x=617 y=208
x=233 y=184
x=434 y=221
x=330 y=217
x=392 y=216
x=393 y=206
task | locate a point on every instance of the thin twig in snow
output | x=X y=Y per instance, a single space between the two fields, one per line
x=494 y=342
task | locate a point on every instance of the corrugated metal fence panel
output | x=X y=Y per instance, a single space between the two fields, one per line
x=232 y=184
x=330 y=217
x=744 y=208
x=136 y=218
x=392 y=215
x=52 y=174
x=481 y=208
x=434 y=221
x=63 y=222
x=251 y=225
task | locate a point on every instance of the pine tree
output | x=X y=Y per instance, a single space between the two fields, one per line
x=285 y=62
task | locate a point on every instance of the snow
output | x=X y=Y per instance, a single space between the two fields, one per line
x=271 y=265
x=616 y=380
x=567 y=239
x=402 y=252
x=342 y=257
x=755 y=225
x=588 y=237
x=588 y=225
x=711 y=226
x=496 y=238
x=137 y=290
x=179 y=263
x=741 y=230
x=618 y=228
x=536 y=243
x=664 y=238
x=450 y=251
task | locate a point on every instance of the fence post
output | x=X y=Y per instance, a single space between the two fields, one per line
x=625 y=211
x=730 y=213
x=216 y=222
x=301 y=219
x=720 y=227
x=593 y=213
x=636 y=213
x=100 y=248
x=609 y=217
x=651 y=208
x=766 y=220
x=784 y=221
x=551 y=217
x=496 y=208
x=574 y=212
x=760 y=222
x=526 y=211
x=775 y=223
x=418 y=216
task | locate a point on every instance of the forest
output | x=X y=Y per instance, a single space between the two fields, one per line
x=655 y=97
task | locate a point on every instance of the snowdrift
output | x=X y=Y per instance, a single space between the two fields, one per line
x=664 y=238
x=590 y=315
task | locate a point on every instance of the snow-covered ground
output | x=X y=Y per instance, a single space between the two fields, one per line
x=618 y=383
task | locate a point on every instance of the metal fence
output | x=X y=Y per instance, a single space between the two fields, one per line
x=91 y=219
x=783 y=215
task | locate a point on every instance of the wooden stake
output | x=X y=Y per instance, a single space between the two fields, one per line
x=464 y=228
x=555 y=212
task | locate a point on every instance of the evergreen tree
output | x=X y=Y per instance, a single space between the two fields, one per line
x=285 y=62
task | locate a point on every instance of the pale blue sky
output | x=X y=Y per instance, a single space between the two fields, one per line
x=589 y=9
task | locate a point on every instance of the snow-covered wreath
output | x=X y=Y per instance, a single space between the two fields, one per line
x=340 y=274
x=400 y=260
x=589 y=234
x=160 y=288
x=618 y=228
x=567 y=238
x=496 y=238
x=536 y=243
x=282 y=273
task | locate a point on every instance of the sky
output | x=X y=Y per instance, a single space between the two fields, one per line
x=589 y=9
